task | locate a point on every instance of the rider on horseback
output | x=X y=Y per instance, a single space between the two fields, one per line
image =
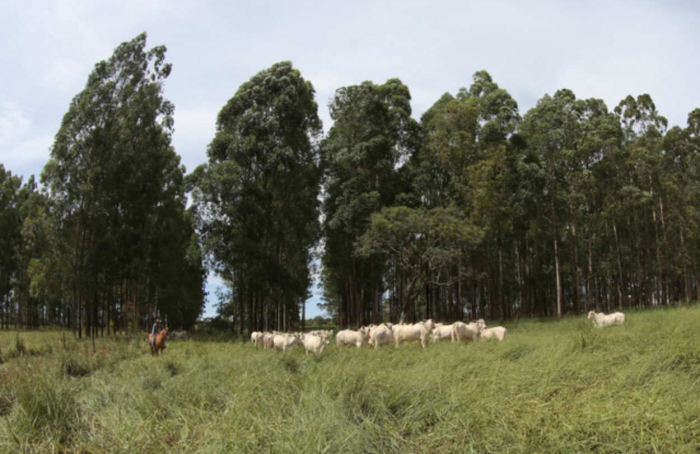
x=154 y=332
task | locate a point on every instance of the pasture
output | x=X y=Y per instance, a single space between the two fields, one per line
x=550 y=387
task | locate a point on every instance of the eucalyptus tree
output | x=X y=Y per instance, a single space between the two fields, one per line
x=594 y=188
x=462 y=134
x=112 y=169
x=44 y=250
x=554 y=131
x=690 y=165
x=421 y=242
x=372 y=135
x=10 y=240
x=679 y=181
x=258 y=196
x=25 y=251
x=644 y=129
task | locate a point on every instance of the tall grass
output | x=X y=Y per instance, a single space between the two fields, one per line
x=550 y=387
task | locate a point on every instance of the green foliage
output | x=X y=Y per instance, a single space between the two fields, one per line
x=113 y=216
x=257 y=198
x=471 y=212
x=372 y=133
x=420 y=241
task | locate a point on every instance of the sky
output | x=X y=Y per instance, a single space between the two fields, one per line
x=601 y=49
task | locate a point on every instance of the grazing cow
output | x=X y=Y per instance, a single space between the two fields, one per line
x=284 y=342
x=348 y=337
x=314 y=343
x=601 y=320
x=409 y=333
x=268 y=341
x=254 y=337
x=461 y=331
x=441 y=332
x=260 y=340
x=380 y=335
x=498 y=332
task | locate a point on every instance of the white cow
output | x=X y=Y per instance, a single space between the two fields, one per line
x=409 y=333
x=254 y=337
x=498 y=332
x=601 y=320
x=268 y=340
x=441 y=332
x=314 y=343
x=380 y=335
x=349 y=337
x=284 y=342
x=472 y=331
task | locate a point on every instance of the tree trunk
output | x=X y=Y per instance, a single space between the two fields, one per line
x=620 y=284
x=574 y=263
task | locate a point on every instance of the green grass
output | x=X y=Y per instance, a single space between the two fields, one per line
x=550 y=387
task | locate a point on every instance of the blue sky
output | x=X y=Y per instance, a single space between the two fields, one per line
x=312 y=309
x=603 y=49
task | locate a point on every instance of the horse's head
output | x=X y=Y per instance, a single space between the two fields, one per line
x=165 y=332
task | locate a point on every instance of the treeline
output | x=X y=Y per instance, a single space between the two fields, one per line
x=106 y=242
x=477 y=212
x=473 y=211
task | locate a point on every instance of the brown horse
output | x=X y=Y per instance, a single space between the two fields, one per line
x=159 y=344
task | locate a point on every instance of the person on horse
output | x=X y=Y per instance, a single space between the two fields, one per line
x=154 y=331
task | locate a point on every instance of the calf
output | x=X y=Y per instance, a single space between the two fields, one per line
x=601 y=320
x=498 y=332
x=348 y=337
x=313 y=343
x=409 y=333
x=441 y=332
x=461 y=331
x=254 y=337
x=380 y=335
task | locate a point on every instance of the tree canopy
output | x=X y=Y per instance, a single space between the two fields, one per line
x=471 y=211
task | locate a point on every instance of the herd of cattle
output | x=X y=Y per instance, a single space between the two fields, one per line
x=387 y=334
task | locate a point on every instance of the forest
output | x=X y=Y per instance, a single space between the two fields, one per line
x=471 y=211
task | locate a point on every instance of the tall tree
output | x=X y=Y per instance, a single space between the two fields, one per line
x=10 y=240
x=372 y=133
x=112 y=175
x=258 y=196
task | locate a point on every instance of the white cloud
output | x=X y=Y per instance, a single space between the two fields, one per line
x=194 y=129
x=65 y=75
x=28 y=156
x=13 y=124
x=22 y=150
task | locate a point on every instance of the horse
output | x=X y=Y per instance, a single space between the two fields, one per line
x=159 y=344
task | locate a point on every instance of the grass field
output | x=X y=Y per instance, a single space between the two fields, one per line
x=550 y=387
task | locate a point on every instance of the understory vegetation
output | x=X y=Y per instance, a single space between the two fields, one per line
x=551 y=386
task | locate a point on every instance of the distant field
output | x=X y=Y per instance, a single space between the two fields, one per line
x=550 y=387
